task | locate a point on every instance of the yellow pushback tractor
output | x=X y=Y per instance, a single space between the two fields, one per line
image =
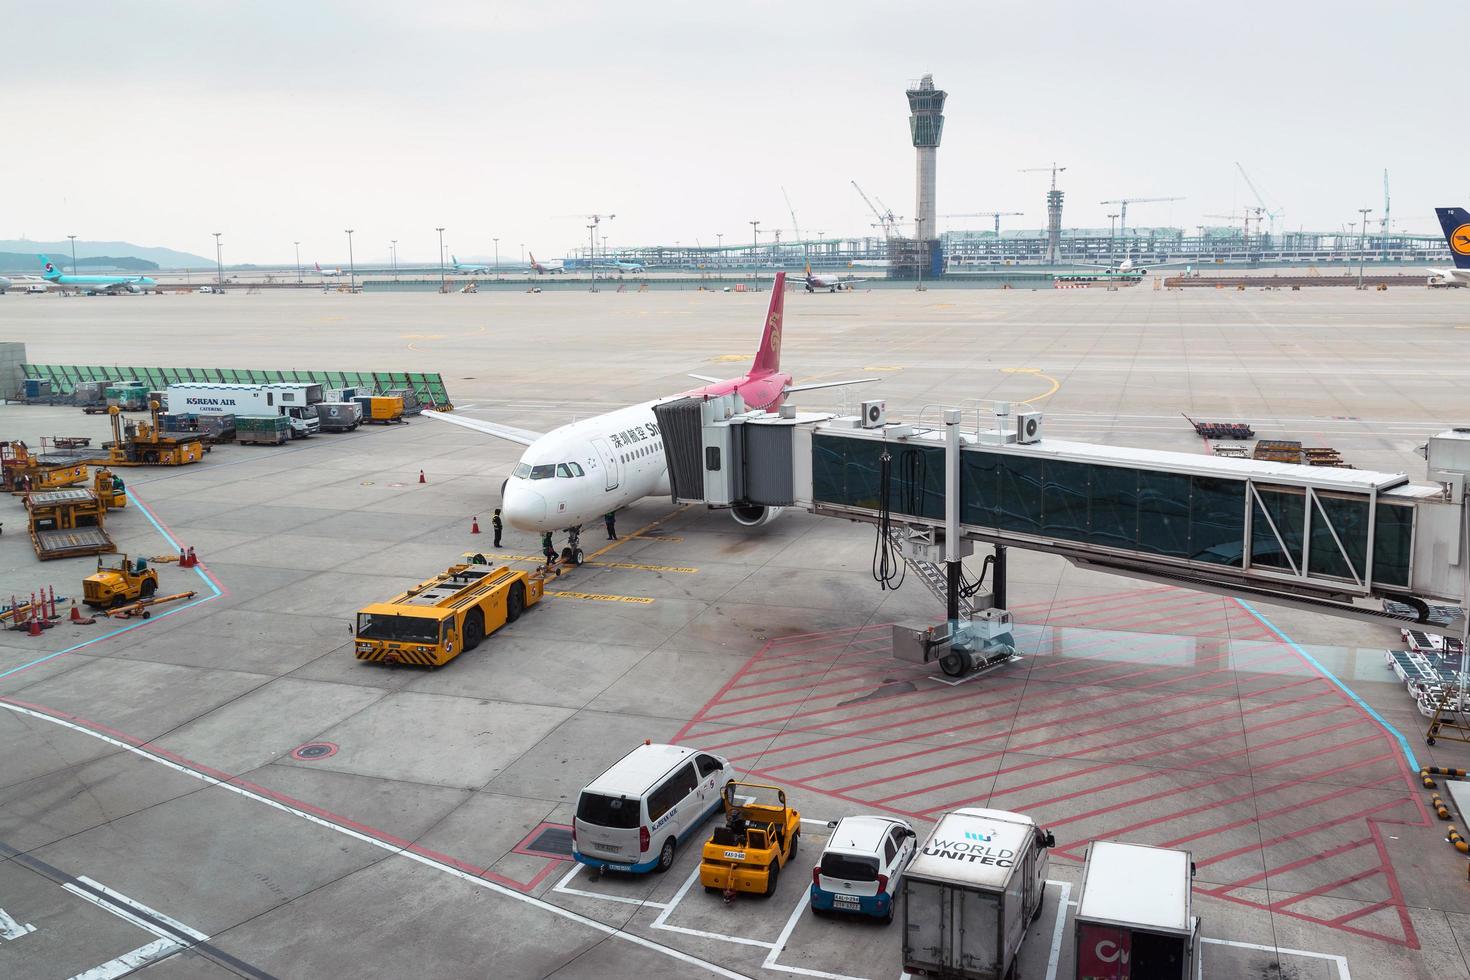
x=436 y=621
x=760 y=834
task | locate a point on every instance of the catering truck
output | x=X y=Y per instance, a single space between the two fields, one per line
x=1134 y=917
x=297 y=402
x=969 y=895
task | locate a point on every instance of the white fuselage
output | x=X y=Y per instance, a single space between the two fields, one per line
x=1449 y=277
x=575 y=474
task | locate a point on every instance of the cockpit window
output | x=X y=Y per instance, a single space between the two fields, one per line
x=522 y=471
x=563 y=472
x=576 y=470
x=543 y=472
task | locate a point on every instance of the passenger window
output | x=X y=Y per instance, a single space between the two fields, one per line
x=708 y=765
x=563 y=472
x=890 y=851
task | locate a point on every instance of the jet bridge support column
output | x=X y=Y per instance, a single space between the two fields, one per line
x=953 y=543
x=998 y=577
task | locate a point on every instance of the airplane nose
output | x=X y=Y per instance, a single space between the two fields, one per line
x=522 y=507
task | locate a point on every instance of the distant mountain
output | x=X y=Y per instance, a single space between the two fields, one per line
x=27 y=263
x=165 y=258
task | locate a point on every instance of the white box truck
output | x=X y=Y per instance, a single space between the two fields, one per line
x=295 y=401
x=969 y=895
x=1133 y=916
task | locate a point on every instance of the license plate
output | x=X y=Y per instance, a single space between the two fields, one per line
x=848 y=900
x=603 y=845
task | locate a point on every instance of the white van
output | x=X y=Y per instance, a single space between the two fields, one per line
x=634 y=816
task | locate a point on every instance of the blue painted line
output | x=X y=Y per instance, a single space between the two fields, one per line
x=1371 y=712
x=213 y=589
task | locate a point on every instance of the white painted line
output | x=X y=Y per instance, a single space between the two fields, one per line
x=771 y=964
x=1341 y=961
x=561 y=886
x=662 y=921
x=478 y=882
x=122 y=913
x=128 y=962
x=140 y=907
x=10 y=929
x=1060 y=930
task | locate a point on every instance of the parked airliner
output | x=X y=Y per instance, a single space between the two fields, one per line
x=111 y=285
x=326 y=272
x=1455 y=223
x=469 y=268
x=543 y=268
x=575 y=474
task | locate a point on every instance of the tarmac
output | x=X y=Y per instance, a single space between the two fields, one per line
x=225 y=790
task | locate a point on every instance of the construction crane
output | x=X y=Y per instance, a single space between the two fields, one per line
x=1053 y=168
x=1268 y=210
x=1244 y=217
x=886 y=218
x=997 y=215
x=1123 y=203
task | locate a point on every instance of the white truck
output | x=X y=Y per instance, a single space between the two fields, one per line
x=1133 y=916
x=295 y=401
x=971 y=892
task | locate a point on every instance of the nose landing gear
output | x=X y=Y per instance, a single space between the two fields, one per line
x=572 y=553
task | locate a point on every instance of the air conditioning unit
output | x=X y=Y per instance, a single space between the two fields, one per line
x=1028 y=427
x=875 y=414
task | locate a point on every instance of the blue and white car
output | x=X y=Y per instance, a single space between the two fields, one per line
x=861 y=866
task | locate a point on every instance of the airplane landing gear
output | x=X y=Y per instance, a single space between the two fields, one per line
x=573 y=551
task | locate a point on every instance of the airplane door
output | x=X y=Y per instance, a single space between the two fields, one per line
x=609 y=462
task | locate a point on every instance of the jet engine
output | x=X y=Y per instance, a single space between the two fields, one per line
x=754 y=515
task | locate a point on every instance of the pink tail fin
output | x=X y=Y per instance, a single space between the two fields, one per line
x=768 y=357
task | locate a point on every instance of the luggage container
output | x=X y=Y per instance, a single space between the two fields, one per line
x=968 y=897
x=381 y=408
x=89 y=393
x=1133 y=916
x=411 y=403
x=263 y=430
x=127 y=396
x=339 y=416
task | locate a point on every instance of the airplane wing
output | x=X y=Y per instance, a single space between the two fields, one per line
x=509 y=433
x=706 y=378
x=823 y=384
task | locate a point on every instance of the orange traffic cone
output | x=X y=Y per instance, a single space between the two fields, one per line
x=421 y=477
x=76 y=614
x=34 y=627
x=475 y=525
x=193 y=558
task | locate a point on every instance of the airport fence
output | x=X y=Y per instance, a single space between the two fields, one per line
x=64 y=377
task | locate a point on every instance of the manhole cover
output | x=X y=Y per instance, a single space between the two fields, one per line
x=312 y=751
x=549 y=840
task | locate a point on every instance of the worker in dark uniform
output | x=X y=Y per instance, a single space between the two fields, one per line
x=610 y=519
x=497 y=525
x=548 y=549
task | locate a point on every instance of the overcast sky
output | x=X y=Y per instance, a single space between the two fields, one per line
x=159 y=123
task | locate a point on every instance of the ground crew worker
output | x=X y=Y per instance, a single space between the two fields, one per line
x=610 y=519
x=498 y=525
x=548 y=549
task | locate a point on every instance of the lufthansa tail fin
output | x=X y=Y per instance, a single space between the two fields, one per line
x=1456 y=225
x=768 y=356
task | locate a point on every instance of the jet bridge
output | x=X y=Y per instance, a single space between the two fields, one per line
x=1355 y=543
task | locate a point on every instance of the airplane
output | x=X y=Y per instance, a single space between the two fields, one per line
x=624 y=266
x=4 y=284
x=1456 y=225
x=92 y=285
x=831 y=284
x=326 y=272
x=469 y=269
x=554 y=266
x=575 y=474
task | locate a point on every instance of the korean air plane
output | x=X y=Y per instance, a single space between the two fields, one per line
x=575 y=474
x=469 y=268
x=93 y=285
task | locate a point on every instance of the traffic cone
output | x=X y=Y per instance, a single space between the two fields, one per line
x=421 y=477
x=193 y=558
x=475 y=525
x=33 y=628
x=76 y=614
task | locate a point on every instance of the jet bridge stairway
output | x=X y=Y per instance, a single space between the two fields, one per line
x=930 y=573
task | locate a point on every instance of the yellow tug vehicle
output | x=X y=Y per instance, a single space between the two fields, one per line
x=760 y=835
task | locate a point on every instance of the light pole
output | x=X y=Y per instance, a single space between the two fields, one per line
x=298 y=260
x=755 y=243
x=73 y=253
x=1112 y=241
x=351 y=264
x=219 y=263
x=393 y=246
x=441 y=258
x=497 y=257
x=1362 y=242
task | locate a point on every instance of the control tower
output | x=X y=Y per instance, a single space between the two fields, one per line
x=926 y=126
x=1053 y=224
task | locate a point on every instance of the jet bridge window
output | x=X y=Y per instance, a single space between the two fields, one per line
x=849 y=472
x=1393 y=539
